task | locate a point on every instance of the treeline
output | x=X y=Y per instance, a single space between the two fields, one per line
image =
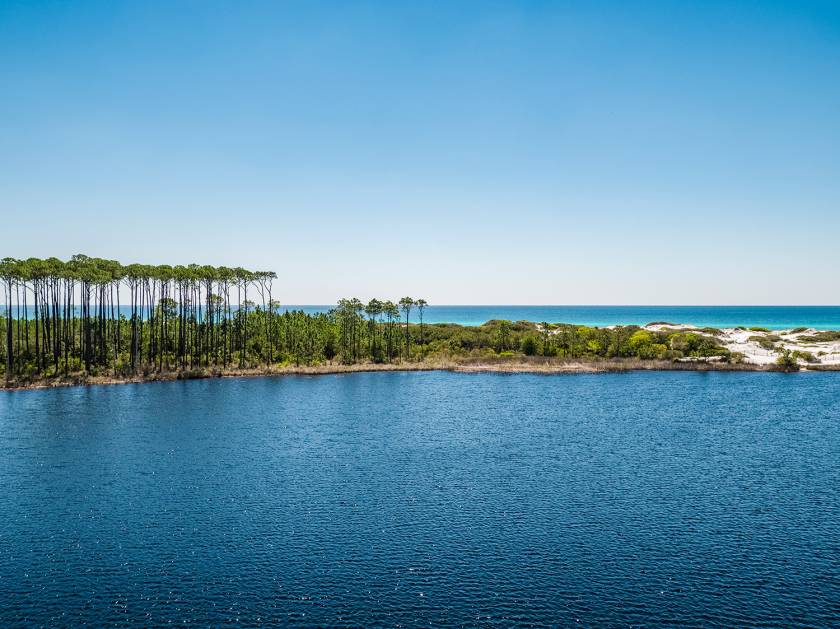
x=100 y=317
x=92 y=316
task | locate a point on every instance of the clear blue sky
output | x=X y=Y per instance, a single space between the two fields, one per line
x=465 y=152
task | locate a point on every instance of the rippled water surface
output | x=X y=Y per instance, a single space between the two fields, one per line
x=643 y=499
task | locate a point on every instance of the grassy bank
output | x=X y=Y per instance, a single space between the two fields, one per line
x=508 y=365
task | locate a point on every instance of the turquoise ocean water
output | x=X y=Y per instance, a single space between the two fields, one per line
x=773 y=317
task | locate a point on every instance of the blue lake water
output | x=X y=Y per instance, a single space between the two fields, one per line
x=408 y=499
x=773 y=317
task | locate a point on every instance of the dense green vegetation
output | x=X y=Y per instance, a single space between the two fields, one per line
x=569 y=341
x=823 y=336
x=98 y=317
x=787 y=361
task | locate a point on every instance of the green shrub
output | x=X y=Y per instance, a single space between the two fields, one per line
x=680 y=343
x=693 y=344
x=763 y=341
x=640 y=343
x=787 y=362
x=808 y=357
x=822 y=337
x=736 y=358
x=528 y=345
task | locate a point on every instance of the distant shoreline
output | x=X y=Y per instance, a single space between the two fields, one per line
x=517 y=365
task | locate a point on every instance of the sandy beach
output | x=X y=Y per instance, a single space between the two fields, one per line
x=762 y=347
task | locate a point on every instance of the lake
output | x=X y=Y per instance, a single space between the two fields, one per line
x=407 y=499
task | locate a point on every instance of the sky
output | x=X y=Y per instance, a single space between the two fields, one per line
x=464 y=152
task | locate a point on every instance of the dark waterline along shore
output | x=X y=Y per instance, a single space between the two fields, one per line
x=517 y=365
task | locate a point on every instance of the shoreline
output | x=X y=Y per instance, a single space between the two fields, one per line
x=538 y=366
x=745 y=349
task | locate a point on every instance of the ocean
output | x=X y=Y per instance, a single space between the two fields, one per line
x=772 y=317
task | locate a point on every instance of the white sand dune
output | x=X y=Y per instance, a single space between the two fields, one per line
x=747 y=343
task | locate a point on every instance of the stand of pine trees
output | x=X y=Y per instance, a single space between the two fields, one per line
x=99 y=317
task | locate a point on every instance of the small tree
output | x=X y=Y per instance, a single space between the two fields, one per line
x=528 y=346
x=545 y=334
x=502 y=336
x=421 y=306
x=787 y=361
x=405 y=305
